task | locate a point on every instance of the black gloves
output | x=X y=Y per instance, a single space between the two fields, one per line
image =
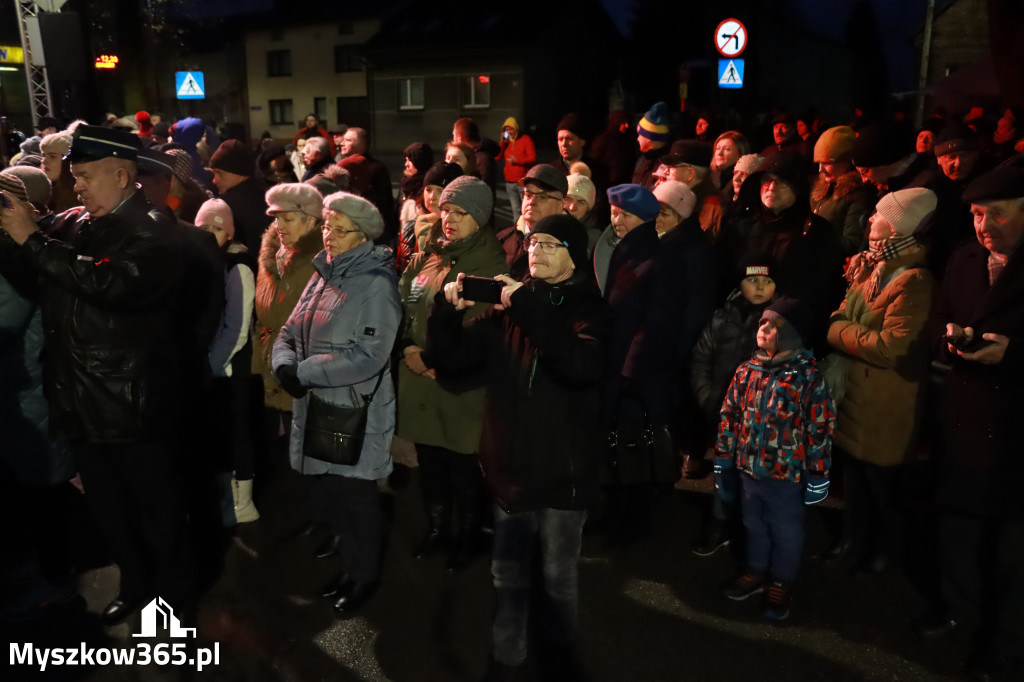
x=287 y=377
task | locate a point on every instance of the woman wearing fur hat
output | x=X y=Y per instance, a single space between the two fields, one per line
x=334 y=350
x=445 y=421
x=879 y=330
x=55 y=147
x=838 y=195
x=285 y=266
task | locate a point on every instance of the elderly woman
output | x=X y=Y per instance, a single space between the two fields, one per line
x=333 y=353
x=55 y=147
x=878 y=330
x=445 y=423
x=285 y=266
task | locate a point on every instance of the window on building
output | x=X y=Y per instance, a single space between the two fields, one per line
x=281 y=113
x=346 y=58
x=476 y=92
x=279 y=63
x=410 y=93
x=320 y=108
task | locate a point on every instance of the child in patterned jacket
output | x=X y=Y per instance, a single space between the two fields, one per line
x=776 y=429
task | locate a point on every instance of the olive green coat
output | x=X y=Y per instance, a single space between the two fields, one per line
x=436 y=412
x=888 y=360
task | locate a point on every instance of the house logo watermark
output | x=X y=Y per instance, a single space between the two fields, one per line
x=157 y=618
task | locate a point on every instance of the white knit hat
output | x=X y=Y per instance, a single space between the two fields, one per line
x=582 y=187
x=906 y=209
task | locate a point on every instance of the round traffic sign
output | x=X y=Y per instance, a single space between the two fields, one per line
x=731 y=37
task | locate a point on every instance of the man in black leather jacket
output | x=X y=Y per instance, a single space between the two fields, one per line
x=111 y=362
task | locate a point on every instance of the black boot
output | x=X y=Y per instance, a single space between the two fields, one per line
x=437 y=537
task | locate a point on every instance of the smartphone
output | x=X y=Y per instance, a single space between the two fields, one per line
x=482 y=289
x=972 y=345
x=506 y=134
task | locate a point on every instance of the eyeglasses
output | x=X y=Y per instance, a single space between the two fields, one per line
x=457 y=216
x=538 y=196
x=549 y=248
x=340 y=231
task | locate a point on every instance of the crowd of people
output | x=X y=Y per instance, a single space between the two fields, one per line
x=841 y=304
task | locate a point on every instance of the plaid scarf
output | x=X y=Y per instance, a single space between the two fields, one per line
x=876 y=256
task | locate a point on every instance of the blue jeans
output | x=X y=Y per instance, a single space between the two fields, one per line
x=773 y=513
x=515 y=199
x=516 y=536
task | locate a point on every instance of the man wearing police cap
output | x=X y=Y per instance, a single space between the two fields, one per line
x=112 y=366
x=978 y=329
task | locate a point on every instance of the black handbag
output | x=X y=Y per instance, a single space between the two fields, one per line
x=335 y=434
x=643 y=453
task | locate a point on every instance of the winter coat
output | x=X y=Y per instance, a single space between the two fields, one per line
x=279 y=284
x=431 y=411
x=339 y=337
x=28 y=452
x=616 y=150
x=806 y=248
x=981 y=405
x=231 y=350
x=542 y=359
x=726 y=342
x=109 y=302
x=846 y=203
x=249 y=209
x=778 y=418
x=884 y=340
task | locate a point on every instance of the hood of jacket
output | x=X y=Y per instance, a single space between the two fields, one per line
x=356 y=261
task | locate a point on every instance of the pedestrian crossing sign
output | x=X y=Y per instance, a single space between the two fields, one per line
x=190 y=84
x=730 y=73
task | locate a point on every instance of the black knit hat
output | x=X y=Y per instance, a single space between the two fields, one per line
x=233 y=157
x=756 y=263
x=790 y=167
x=441 y=173
x=794 y=320
x=570 y=232
x=574 y=124
x=421 y=155
x=956 y=137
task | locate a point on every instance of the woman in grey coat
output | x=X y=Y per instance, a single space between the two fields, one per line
x=336 y=346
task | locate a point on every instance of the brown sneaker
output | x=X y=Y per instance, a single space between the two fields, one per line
x=747 y=585
x=777 y=599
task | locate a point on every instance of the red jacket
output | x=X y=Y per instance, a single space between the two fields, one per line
x=522 y=149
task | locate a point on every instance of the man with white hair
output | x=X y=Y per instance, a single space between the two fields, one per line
x=317 y=156
x=113 y=374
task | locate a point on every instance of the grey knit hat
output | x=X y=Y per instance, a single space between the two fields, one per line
x=361 y=212
x=472 y=195
x=26 y=183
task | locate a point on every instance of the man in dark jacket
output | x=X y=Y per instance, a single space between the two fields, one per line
x=542 y=352
x=356 y=142
x=981 y=525
x=113 y=377
x=234 y=174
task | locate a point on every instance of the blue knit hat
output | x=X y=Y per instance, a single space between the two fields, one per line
x=635 y=199
x=654 y=124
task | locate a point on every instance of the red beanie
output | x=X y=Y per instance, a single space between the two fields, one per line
x=145 y=125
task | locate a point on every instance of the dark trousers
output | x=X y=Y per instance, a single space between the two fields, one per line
x=446 y=475
x=136 y=494
x=352 y=508
x=874 y=521
x=516 y=536
x=773 y=514
x=983 y=578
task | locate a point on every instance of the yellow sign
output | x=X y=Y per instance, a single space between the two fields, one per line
x=106 y=61
x=11 y=55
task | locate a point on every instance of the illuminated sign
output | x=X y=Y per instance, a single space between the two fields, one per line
x=730 y=73
x=190 y=84
x=484 y=79
x=107 y=61
x=11 y=55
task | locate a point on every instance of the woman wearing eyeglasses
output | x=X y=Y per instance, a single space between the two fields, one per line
x=334 y=349
x=441 y=419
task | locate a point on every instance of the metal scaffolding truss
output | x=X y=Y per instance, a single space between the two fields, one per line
x=35 y=64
